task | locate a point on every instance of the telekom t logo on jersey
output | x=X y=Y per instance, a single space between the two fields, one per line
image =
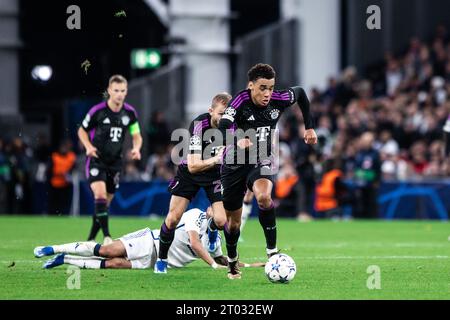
x=115 y=134
x=262 y=133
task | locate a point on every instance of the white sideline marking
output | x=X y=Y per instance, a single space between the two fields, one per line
x=357 y=257
x=368 y=245
x=376 y=257
x=22 y=261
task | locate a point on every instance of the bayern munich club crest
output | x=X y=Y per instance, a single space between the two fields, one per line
x=125 y=120
x=274 y=114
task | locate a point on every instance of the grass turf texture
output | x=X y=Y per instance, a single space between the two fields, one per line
x=332 y=260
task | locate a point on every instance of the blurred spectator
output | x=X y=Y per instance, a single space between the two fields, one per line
x=331 y=192
x=367 y=177
x=345 y=89
x=394 y=77
x=131 y=168
x=19 y=187
x=330 y=93
x=418 y=158
x=42 y=154
x=305 y=158
x=387 y=144
x=5 y=178
x=350 y=160
x=158 y=134
x=435 y=166
x=393 y=167
x=60 y=167
x=323 y=132
x=159 y=165
x=285 y=182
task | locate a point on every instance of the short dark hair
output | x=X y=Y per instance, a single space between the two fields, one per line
x=260 y=70
x=117 y=78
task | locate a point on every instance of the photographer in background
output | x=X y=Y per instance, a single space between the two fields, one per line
x=367 y=178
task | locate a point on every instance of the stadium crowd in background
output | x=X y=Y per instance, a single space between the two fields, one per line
x=404 y=104
x=405 y=108
x=16 y=163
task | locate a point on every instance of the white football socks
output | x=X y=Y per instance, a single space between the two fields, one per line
x=246 y=210
x=85 y=263
x=85 y=249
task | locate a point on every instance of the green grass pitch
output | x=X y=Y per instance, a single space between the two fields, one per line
x=332 y=263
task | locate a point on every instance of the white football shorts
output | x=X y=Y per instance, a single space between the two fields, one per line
x=140 y=248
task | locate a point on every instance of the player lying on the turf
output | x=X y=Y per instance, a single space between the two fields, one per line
x=139 y=250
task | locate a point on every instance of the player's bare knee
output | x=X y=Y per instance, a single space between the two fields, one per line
x=100 y=195
x=172 y=219
x=116 y=264
x=103 y=251
x=248 y=196
x=264 y=200
x=234 y=224
x=106 y=251
x=112 y=264
x=220 y=222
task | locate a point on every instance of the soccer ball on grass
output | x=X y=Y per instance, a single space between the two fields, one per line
x=280 y=268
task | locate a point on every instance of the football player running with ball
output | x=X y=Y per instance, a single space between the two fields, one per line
x=247 y=159
x=102 y=133
x=199 y=170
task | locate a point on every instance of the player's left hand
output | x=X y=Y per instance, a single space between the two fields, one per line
x=135 y=154
x=310 y=136
x=244 y=143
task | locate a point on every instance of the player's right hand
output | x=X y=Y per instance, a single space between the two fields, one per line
x=91 y=152
x=244 y=143
x=310 y=136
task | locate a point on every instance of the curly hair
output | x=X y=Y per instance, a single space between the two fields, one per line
x=260 y=70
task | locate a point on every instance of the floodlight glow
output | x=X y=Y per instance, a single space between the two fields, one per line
x=42 y=73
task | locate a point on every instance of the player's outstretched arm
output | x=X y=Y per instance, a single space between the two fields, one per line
x=223 y=261
x=252 y=265
x=302 y=100
x=200 y=251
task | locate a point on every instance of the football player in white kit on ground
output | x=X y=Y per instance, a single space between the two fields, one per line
x=139 y=250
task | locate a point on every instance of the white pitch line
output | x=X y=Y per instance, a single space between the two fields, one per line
x=375 y=257
x=22 y=261
x=357 y=257
x=367 y=245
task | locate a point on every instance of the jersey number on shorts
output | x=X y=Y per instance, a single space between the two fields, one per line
x=217 y=186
